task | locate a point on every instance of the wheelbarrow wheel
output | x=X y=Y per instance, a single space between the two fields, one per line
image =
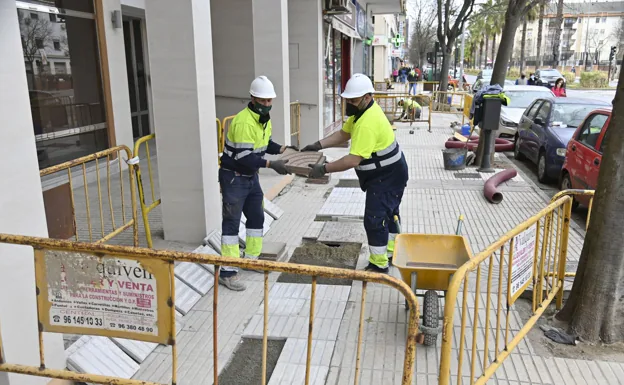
x=431 y=316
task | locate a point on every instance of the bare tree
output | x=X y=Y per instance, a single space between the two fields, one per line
x=451 y=20
x=595 y=308
x=556 y=33
x=618 y=35
x=36 y=36
x=595 y=43
x=423 y=31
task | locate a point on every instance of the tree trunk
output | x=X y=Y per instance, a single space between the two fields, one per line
x=494 y=45
x=446 y=63
x=540 y=28
x=487 y=40
x=523 y=45
x=480 y=53
x=557 y=34
x=512 y=21
x=595 y=308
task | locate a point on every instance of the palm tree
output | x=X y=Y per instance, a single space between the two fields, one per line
x=476 y=35
x=530 y=17
x=496 y=26
x=540 y=26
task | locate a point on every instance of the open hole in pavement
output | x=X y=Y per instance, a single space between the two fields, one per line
x=318 y=254
x=245 y=366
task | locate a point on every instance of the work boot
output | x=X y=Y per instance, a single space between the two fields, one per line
x=232 y=283
x=252 y=258
x=376 y=269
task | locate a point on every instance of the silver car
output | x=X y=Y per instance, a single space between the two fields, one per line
x=520 y=97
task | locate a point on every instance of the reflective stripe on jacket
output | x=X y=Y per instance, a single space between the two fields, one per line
x=246 y=143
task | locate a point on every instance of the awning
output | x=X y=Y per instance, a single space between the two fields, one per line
x=345 y=28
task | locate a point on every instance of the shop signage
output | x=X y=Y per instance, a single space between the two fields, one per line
x=397 y=52
x=380 y=40
x=348 y=18
x=361 y=20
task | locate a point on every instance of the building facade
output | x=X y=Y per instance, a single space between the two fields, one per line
x=79 y=76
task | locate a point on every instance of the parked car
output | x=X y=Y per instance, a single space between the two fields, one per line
x=584 y=155
x=486 y=82
x=548 y=77
x=520 y=97
x=546 y=128
x=485 y=74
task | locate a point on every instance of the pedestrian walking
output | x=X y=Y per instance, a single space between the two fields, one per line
x=531 y=80
x=559 y=88
x=573 y=70
x=412 y=78
x=379 y=164
x=395 y=74
x=248 y=139
x=522 y=80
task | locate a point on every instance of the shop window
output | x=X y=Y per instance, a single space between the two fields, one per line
x=66 y=96
x=597 y=20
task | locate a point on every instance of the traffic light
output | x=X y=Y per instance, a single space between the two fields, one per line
x=612 y=54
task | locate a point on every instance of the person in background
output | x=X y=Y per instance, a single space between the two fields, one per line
x=559 y=88
x=418 y=73
x=395 y=75
x=412 y=78
x=531 y=80
x=522 y=81
x=411 y=109
x=573 y=70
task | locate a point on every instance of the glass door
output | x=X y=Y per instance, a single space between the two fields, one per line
x=137 y=76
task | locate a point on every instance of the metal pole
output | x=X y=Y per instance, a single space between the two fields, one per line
x=461 y=60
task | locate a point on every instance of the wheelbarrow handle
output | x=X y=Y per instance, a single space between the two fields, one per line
x=460 y=222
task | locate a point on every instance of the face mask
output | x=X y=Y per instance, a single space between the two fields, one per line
x=262 y=109
x=353 y=109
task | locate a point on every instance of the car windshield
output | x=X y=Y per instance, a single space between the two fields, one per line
x=522 y=99
x=571 y=115
x=550 y=73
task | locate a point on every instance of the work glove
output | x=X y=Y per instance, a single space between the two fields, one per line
x=292 y=148
x=316 y=146
x=318 y=170
x=279 y=166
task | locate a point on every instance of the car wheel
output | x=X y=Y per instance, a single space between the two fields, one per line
x=542 y=175
x=517 y=154
x=566 y=184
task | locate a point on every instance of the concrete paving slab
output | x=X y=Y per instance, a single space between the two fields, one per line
x=195 y=276
x=186 y=297
x=99 y=355
x=298 y=161
x=342 y=233
x=137 y=350
x=313 y=231
x=343 y=202
x=272 y=209
x=274 y=251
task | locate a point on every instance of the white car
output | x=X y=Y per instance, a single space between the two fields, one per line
x=520 y=97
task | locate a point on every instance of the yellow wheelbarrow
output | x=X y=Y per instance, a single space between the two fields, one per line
x=428 y=262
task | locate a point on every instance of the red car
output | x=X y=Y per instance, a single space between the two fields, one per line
x=584 y=154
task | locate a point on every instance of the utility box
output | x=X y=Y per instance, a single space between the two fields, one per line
x=491 y=114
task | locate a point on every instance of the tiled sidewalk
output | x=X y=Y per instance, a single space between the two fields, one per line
x=432 y=203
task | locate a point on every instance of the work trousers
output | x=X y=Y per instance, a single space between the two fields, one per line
x=379 y=223
x=242 y=194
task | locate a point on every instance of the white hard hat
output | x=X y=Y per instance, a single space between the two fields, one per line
x=262 y=87
x=358 y=85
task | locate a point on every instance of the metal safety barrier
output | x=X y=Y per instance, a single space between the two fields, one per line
x=146 y=207
x=390 y=106
x=219 y=136
x=442 y=102
x=225 y=127
x=295 y=123
x=87 y=265
x=520 y=258
x=111 y=203
x=586 y=197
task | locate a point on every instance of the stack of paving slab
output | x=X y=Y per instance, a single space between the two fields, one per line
x=121 y=357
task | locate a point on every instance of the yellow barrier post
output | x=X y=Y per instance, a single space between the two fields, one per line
x=145 y=208
x=527 y=261
x=157 y=267
x=108 y=154
x=295 y=123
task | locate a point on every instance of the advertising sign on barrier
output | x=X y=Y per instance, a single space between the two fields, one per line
x=521 y=263
x=82 y=293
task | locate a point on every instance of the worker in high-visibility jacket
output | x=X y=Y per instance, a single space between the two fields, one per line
x=411 y=109
x=379 y=164
x=248 y=139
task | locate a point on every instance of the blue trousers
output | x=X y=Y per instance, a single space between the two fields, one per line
x=381 y=207
x=241 y=195
x=412 y=86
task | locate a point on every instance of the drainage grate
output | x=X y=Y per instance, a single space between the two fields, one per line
x=467 y=175
x=245 y=366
